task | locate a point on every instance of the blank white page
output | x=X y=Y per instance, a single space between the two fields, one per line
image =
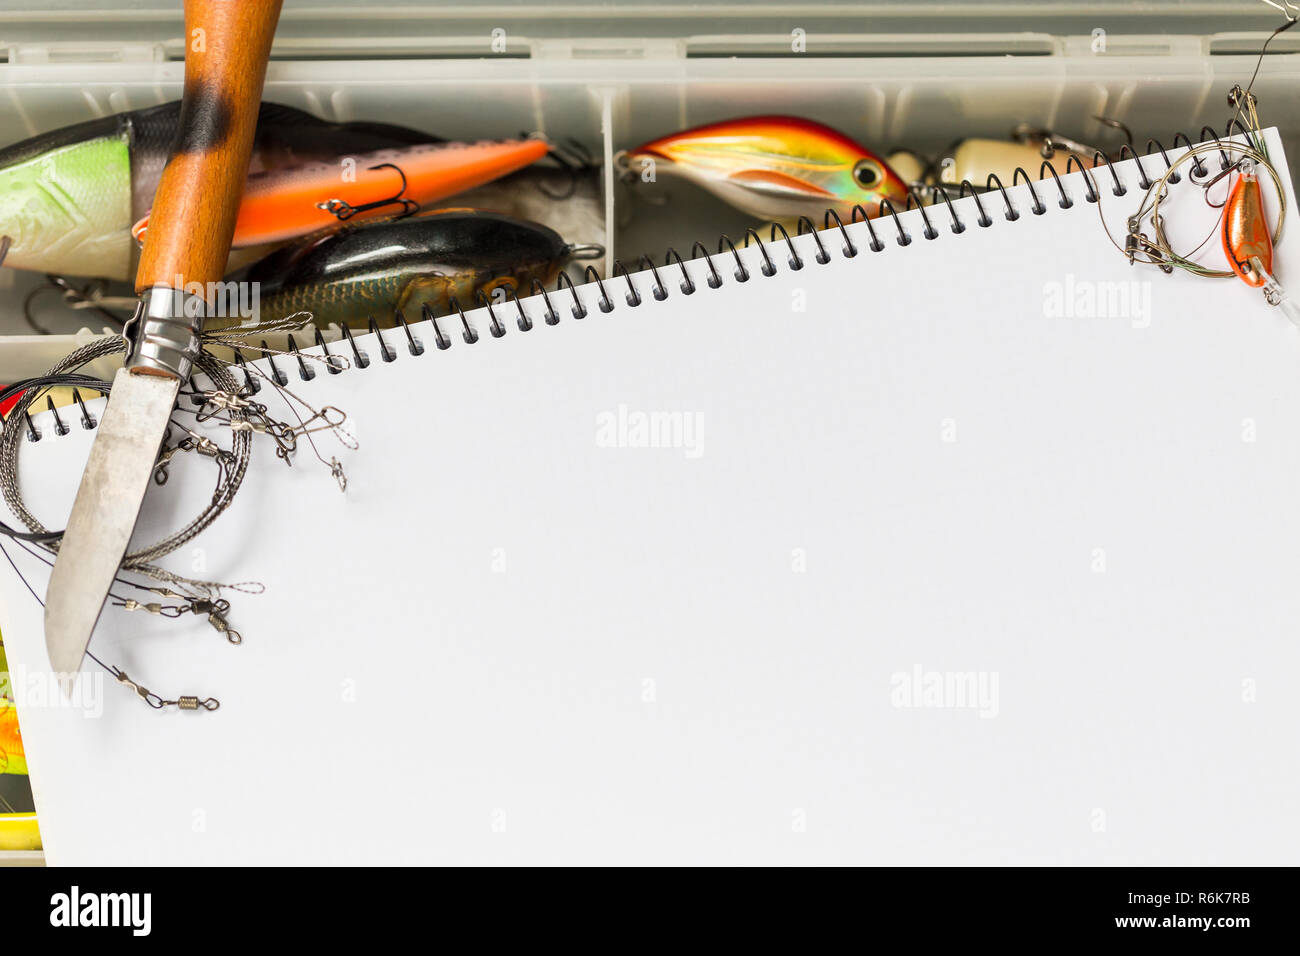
x=936 y=569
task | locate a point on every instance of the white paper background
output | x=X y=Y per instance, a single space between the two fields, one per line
x=506 y=643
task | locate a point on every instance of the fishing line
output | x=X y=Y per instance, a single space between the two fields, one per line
x=215 y=608
x=40 y=387
x=240 y=336
x=345 y=438
x=1157 y=193
x=143 y=559
x=1291 y=21
x=232 y=463
x=156 y=701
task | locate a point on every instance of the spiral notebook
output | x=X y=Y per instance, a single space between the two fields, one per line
x=978 y=549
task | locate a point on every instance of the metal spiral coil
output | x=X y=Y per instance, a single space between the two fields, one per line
x=525 y=318
x=598 y=295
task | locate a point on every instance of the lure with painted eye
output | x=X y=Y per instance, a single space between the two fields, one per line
x=775 y=167
x=1246 y=238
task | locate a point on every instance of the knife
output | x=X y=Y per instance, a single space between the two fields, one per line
x=227 y=46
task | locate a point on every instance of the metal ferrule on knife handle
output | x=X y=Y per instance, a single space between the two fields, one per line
x=166 y=329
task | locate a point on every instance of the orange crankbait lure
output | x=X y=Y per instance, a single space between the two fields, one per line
x=1246 y=239
x=287 y=203
x=775 y=167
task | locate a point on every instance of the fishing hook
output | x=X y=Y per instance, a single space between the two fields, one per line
x=343 y=210
x=91 y=297
x=1116 y=124
x=574 y=159
x=1226 y=171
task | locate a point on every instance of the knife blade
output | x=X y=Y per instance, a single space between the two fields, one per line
x=104 y=514
x=185 y=252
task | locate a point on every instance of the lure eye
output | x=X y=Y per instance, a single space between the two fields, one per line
x=867 y=174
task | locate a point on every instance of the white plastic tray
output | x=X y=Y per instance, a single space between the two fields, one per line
x=612 y=94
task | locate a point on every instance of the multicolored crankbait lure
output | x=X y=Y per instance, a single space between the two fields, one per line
x=775 y=167
x=68 y=197
x=288 y=203
x=370 y=270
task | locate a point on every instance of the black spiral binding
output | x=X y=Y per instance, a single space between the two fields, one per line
x=565 y=297
x=87 y=421
x=634 y=296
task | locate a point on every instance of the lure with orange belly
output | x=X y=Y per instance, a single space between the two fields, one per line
x=1246 y=239
x=12 y=757
x=776 y=167
x=288 y=203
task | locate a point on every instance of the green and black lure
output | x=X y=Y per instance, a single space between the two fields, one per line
x=68 y=198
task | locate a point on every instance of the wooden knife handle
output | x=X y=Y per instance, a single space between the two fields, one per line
x=193 y=218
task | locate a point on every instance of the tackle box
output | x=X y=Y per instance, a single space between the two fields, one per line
x=916 y=75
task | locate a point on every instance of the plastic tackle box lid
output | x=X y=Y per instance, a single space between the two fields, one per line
x=454 y=27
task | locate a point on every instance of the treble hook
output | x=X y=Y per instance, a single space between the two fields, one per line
x=573 y=159
x=1239 y=166
x=91 y=297
x=1047 y=140
x=343 y=210
x=1116 y=124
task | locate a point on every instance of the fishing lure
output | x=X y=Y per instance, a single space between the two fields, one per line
x=978 y=159
x=347 y=276
x=288 y=203
x=1247 y=242
x=12 y=757
x=774 y=167
x=1243 y=231
x=1246 y=239
x=68 y=197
